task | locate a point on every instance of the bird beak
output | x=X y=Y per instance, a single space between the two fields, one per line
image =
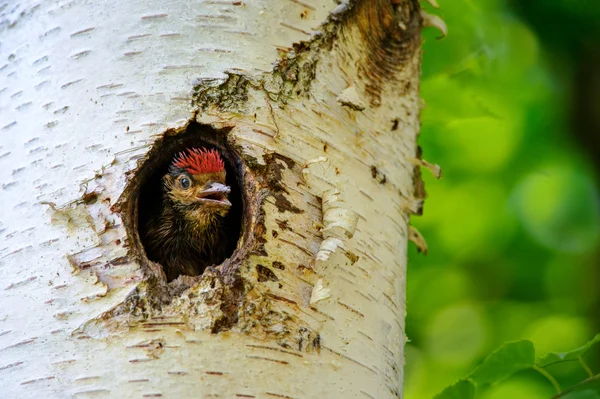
x=216 y=195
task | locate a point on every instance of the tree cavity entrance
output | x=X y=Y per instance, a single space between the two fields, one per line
x=176 y=230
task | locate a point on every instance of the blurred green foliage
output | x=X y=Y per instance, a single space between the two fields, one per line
x=513 y=227
x=514 y=357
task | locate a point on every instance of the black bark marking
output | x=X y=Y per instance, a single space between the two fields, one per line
x=265 y=274
x=377 y=175
x=278 y=265
x=418 y=183
x=283 y=204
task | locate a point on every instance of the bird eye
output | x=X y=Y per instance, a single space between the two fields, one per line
x=185 y=183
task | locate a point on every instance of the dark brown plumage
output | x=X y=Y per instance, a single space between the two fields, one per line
x=187 y=234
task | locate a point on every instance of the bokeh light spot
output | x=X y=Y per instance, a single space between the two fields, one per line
x=457 y=335
x=560 y=209
x=484 y=143
x=558 y=333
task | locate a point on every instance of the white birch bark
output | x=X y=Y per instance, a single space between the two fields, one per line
x=311 y=304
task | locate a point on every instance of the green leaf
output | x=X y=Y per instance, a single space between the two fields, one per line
x=505 y=361
x=587 y=394
x=558 y=357
x=463 y=389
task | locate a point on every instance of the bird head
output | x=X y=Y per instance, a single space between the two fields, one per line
x=196 y=185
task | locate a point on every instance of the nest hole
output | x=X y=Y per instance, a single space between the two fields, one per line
x=148 y=197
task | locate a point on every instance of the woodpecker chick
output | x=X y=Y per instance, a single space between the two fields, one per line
x=187 y=234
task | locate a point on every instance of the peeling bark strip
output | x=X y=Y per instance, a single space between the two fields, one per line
x=321 y=146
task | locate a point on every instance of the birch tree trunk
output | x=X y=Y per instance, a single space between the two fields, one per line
x=317 y=106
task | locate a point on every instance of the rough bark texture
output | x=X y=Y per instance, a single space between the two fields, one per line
x=317 y=107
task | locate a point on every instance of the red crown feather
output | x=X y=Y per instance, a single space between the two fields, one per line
x=196 y=161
